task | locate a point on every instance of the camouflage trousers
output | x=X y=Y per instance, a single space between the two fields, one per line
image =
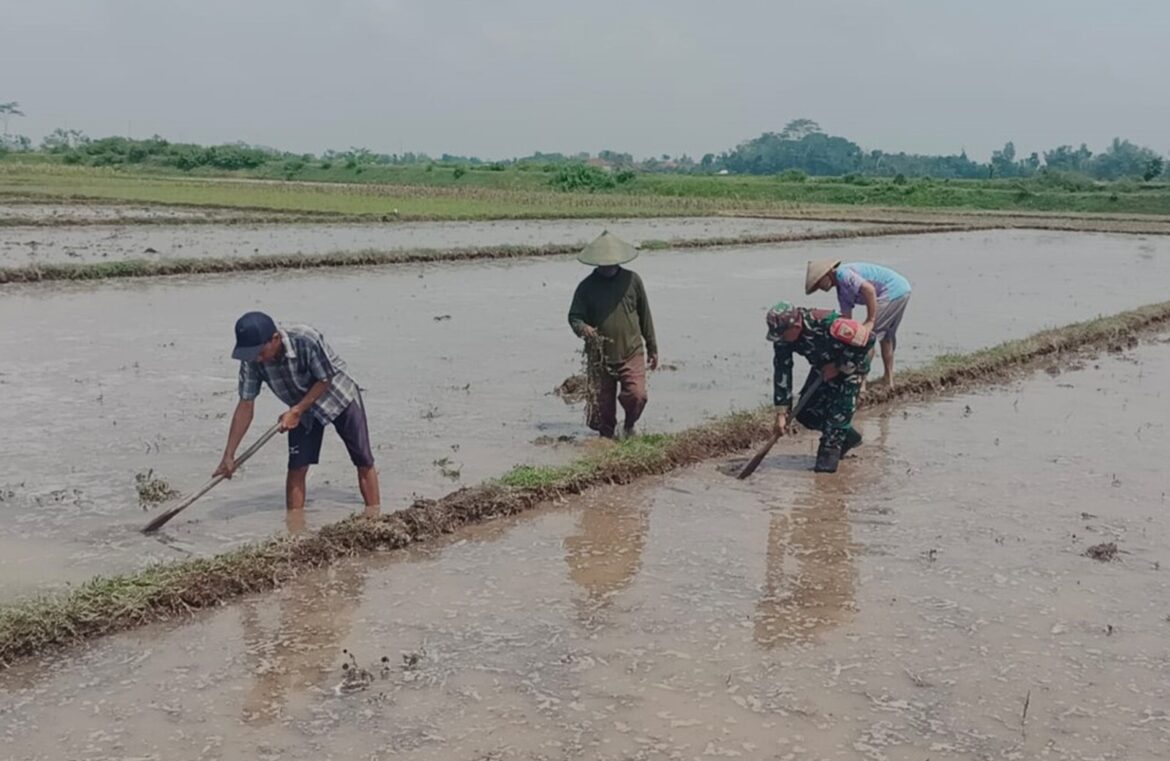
x=831 y=408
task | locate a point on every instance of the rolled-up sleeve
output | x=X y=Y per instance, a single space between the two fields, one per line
x=249 y=381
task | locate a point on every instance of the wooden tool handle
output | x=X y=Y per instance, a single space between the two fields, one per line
x=760 y=455
x=162 y=518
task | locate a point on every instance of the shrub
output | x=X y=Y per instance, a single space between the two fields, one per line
x=899 y=179
x=459 y=172
x=1061 y=180
x=326 y=164
x=625 y=176
x=578 y=177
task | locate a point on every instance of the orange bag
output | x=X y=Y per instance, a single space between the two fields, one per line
x=849 y=332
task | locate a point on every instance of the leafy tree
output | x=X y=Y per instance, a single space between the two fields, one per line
x=798 y=129
x=1065 y=159
x=63 y=140
x=815 y=153
x=1003 y=162
x=616 y=159
x=19 y=143
x=8 y=110
x=1153 y=169
x=1122 y=159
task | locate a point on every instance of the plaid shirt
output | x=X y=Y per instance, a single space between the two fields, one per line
x=307 y=359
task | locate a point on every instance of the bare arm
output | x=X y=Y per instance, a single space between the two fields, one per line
x=241 y=419
x=869 y=293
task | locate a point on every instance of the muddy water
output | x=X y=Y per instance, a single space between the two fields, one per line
x=908 y=607
x=105 y=382
x=41 y=213
x=30 y=245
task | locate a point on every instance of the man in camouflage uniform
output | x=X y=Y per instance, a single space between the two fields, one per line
x=841 y=365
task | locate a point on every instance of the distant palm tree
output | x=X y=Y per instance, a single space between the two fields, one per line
x=7 y=110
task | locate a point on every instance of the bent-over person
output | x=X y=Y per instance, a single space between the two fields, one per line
x=839 y=352
x=304 y=373
x=884 y=292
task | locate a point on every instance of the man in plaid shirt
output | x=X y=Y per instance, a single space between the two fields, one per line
x=304 y=373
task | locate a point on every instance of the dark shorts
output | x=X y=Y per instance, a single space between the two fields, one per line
x=304 y=444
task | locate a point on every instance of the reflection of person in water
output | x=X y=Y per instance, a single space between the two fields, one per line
x=809 y=579
x=315 y=615
x=606 y=552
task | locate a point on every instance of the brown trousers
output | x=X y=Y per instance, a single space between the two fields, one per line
x=631 y=374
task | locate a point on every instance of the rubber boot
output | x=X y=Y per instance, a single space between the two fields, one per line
x=827 y=459
x=852 y=439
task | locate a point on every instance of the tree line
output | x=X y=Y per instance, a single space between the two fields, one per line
x=801 y=149
x=802 y=146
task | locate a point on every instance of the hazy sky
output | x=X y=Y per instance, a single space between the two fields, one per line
x=500 y=78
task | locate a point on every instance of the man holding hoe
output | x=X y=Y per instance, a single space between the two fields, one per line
x=884 y=292
x=838 y=352
x=304 y=373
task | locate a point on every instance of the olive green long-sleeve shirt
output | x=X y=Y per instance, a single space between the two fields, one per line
x=617 y=307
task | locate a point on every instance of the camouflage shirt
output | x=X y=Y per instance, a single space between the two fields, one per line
x=820 y=348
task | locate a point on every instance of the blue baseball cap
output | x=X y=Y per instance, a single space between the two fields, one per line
x=253 y=330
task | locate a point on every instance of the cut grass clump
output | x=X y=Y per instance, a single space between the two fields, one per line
x=166 y=591
x=152 y=490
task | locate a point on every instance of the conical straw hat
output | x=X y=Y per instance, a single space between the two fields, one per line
x=607 y=250
x=817 y=270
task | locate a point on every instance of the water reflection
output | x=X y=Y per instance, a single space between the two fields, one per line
x=305 y=644
x=605 y=553
x=809 y=578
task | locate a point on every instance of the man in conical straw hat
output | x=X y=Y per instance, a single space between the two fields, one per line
x=884 y=292
x=610 y=306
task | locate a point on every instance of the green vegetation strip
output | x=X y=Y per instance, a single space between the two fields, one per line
x=458 y=192
x=165 y=592
x=35 y=273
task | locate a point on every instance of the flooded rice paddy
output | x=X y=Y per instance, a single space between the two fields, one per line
x=931 y=600
x=34 y=245
x=458 y=362
x=12 y=214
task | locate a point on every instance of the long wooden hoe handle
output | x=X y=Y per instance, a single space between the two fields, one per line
x=162 y=518
x=760 y=455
